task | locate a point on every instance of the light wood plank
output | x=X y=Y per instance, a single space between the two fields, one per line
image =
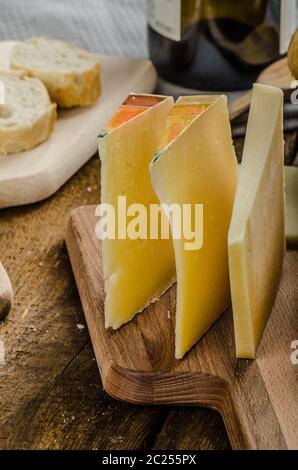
x=36 y=174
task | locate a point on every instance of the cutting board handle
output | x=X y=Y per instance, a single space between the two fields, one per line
x=205 y=390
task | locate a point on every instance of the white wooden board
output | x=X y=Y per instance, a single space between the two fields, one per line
x=34 y=175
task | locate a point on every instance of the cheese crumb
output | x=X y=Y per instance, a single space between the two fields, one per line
x=25 y=313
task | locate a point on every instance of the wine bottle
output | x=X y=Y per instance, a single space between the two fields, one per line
x=217 y=45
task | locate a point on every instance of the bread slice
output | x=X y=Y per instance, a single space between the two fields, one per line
x=71 y=74
x=6 y=293
x=27 y=116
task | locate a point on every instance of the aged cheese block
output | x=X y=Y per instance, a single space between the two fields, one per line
x=137 y=271
x=197 y=166
x=257 y=231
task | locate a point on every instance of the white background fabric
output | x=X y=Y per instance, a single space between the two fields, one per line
x=108 y=26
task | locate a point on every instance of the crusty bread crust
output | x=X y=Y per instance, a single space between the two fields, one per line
x=25 y=138
x=67 y=89
x=26 y=130
x=6 y=293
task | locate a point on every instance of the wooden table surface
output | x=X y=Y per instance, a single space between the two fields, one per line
x=51 y=395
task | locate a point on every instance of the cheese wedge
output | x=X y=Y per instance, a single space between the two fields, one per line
x=197 y=165
x=257 y=231
x=291 y=173
x=136 y=271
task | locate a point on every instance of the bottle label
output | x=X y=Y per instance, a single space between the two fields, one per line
x=288 y=23
x=164 y=16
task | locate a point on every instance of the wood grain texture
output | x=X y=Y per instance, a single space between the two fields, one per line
x=257 y=399
x=51 y=395
x=190 y=433
x=239 y=105
x=277 y=74
x=36 y=174
x=6 y=293
x=291 y=146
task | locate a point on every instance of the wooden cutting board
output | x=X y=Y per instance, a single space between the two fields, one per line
x=36 y=174
x=258 y=399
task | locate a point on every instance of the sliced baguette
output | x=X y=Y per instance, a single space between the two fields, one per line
x=27 y=116
x=6 y=293
x=71 y=74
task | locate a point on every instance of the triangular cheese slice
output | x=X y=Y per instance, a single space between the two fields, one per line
x=136 y=271
x=257 y=231
x=197 y=165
